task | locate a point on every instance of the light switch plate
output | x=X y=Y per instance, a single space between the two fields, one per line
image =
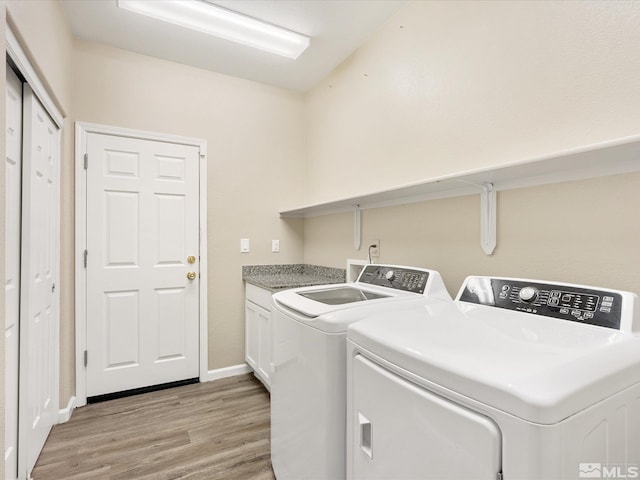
x=275 y=246
x=244 y=245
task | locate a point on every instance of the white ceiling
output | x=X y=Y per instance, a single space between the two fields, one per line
x=336 y=28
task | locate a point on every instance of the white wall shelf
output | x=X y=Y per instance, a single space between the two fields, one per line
x=607 y=158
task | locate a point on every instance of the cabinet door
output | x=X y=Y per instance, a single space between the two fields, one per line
x=264 y=349
x=251 y=335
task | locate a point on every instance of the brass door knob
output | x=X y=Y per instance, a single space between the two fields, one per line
x=191 y=275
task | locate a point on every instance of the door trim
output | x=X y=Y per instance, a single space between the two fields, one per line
x=82 y=130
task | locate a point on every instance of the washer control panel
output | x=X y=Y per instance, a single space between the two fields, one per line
x=577 y=304
x=400 y=278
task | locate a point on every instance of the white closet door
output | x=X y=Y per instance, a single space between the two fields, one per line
x=39 y=294
x=142 y=225
x=13 y=166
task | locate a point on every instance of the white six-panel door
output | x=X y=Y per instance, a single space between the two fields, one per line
x=39 y=274
x=142 y=225
x=13 y=177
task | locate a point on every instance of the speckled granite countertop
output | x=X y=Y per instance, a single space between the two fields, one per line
x=281 y=277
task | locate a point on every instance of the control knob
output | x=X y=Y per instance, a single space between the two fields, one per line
x=528 y=294
x=390 y=275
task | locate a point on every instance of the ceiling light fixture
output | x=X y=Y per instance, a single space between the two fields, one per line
x=217 y=21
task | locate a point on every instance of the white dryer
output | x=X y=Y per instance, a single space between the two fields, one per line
x=308 y=387
x=516 y=379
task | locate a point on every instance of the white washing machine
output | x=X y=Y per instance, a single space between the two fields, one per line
x=308 y=387
x=516 y=379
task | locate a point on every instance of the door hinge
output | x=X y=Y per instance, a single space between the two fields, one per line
x=86 y=161
x=86 y=253
x=86 y=356
x=499 y=476
x=53 y=288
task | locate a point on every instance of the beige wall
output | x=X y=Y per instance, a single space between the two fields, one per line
x=443 y=87
x=585 y=232
x=449 y=86
x=255 y=160
x=255 y=144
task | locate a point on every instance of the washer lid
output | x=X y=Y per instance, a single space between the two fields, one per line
x=376 y=285
x=341 y=295
x=312 y=302
x=540 y=369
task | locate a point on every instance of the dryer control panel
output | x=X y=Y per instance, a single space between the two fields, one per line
x=400 y=278
x=577 y=304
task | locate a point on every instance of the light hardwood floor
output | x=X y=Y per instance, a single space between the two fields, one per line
x=205 y=431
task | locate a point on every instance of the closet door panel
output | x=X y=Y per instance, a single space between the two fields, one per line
x=39 y=295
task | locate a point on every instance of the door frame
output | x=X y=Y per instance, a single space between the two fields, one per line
x=82 y=130
x=13 y=229
x=16 y=51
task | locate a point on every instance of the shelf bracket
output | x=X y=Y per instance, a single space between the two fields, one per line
x=487 y=215
x=488 y=218
x=357 y=227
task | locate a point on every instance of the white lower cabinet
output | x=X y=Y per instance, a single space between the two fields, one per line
x=258 y=332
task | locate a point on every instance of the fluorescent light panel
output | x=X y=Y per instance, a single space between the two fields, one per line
x=220 y=22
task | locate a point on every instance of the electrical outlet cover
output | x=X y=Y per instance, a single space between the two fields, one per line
x=375 y=252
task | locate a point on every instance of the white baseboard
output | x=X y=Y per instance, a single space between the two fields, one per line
x=64 y=414
x=231 y=371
